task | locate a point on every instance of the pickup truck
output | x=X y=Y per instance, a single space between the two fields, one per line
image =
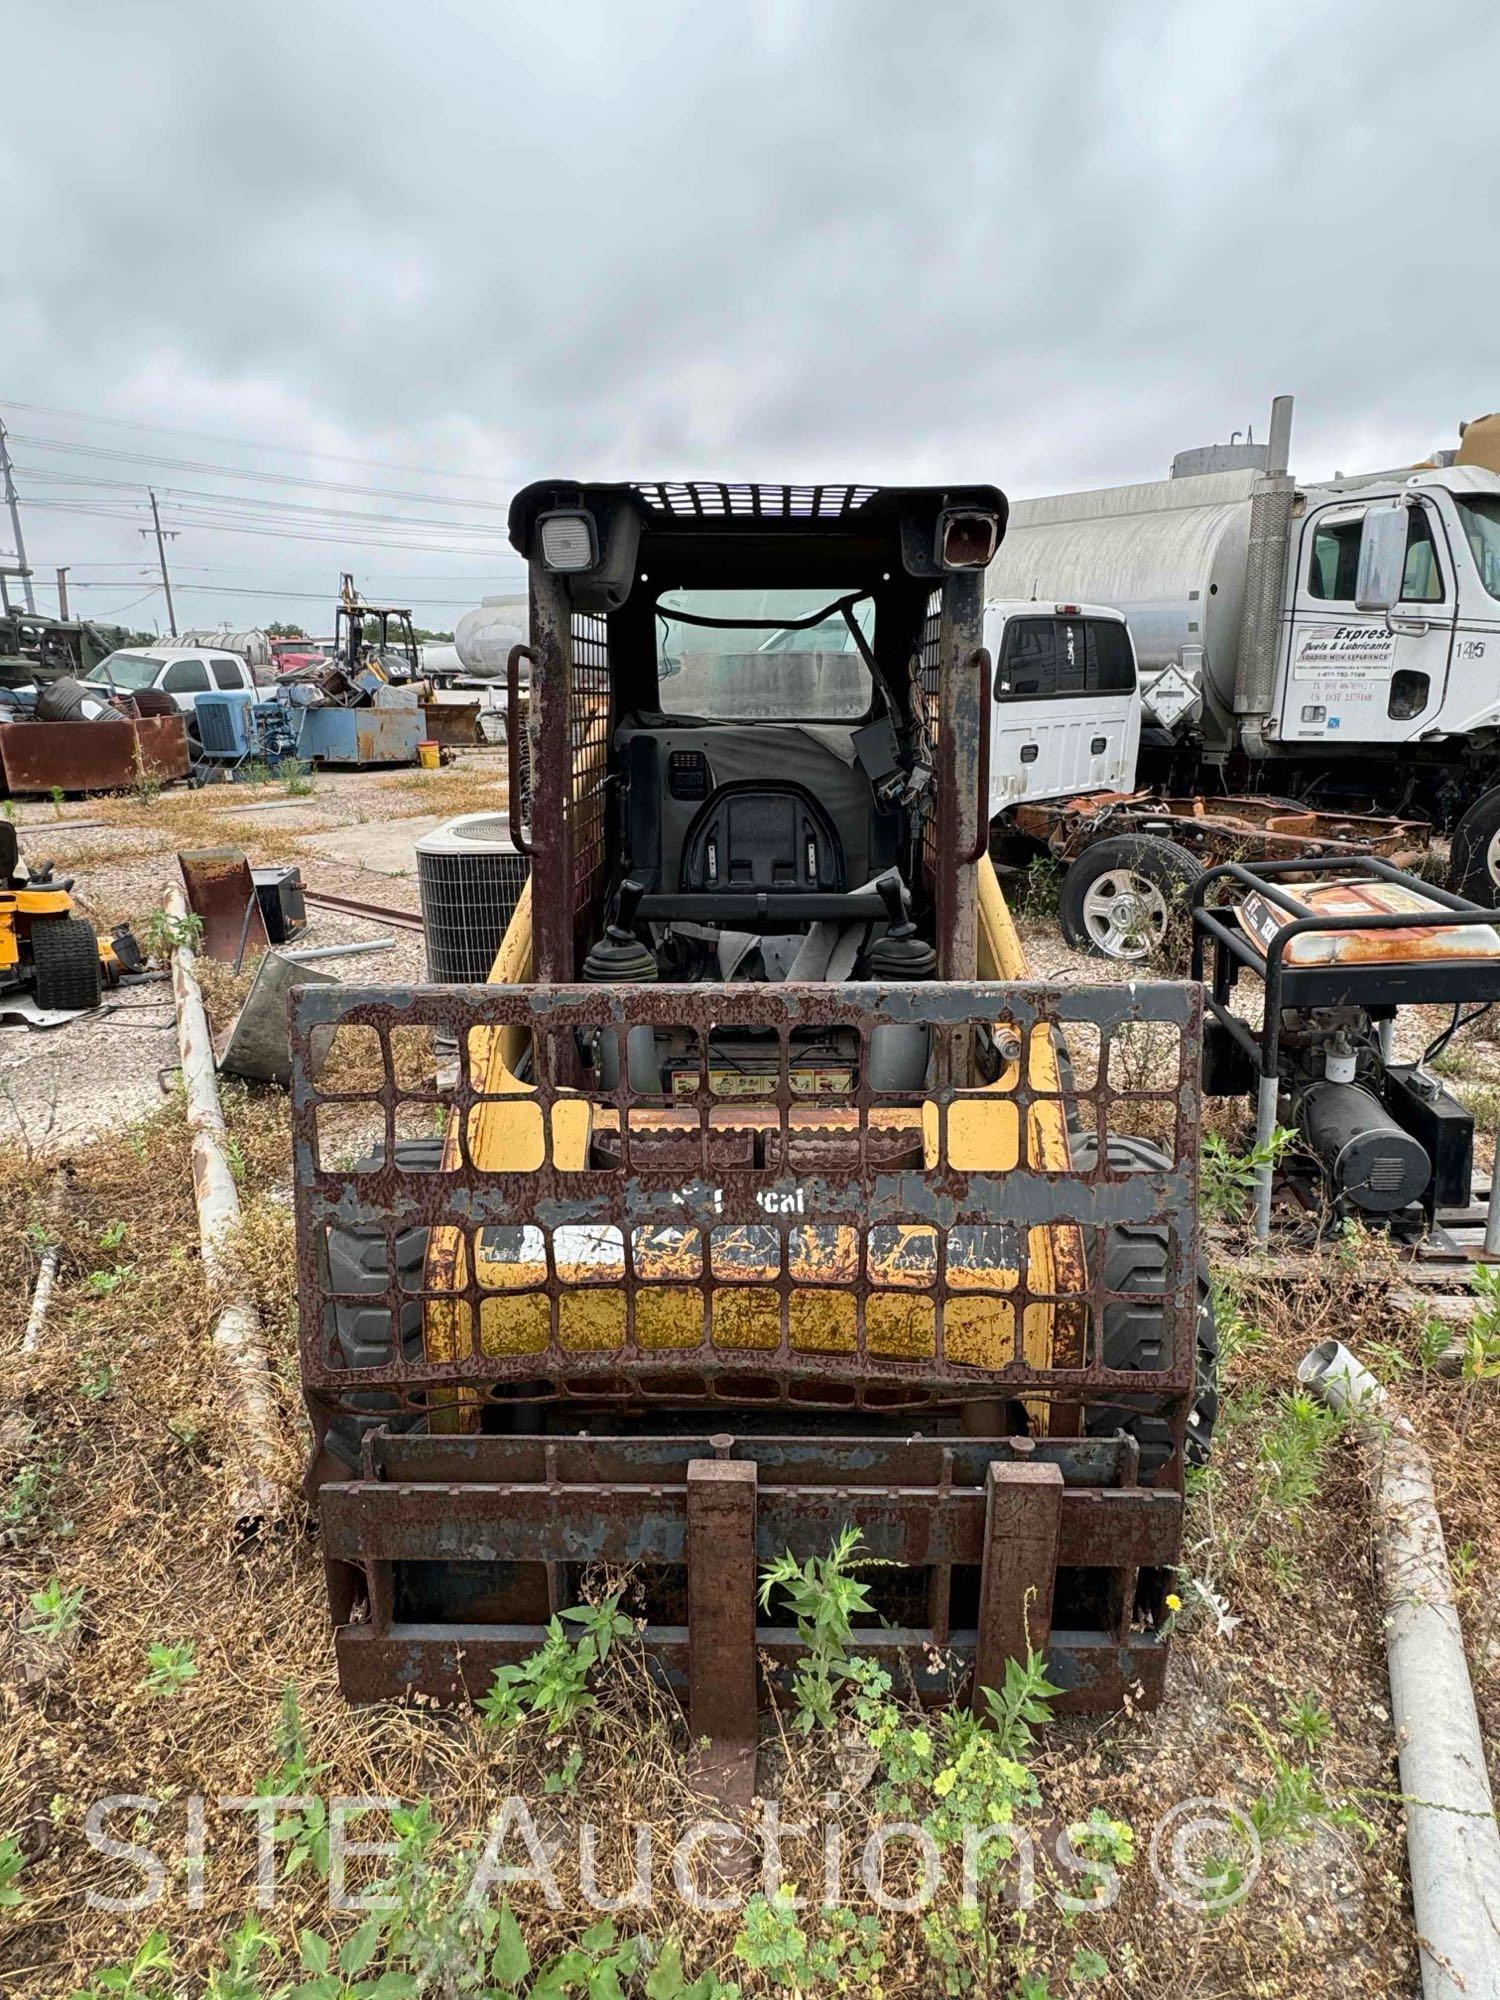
x=182 y=672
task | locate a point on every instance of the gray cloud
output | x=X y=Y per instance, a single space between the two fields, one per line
x=1044 y=245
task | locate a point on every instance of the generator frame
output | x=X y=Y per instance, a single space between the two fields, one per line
x=1381 y=986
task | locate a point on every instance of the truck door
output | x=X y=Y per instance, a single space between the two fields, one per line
x=1360 y=677
x=1067 y=715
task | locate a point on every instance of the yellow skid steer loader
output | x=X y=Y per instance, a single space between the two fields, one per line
x=771 y=1194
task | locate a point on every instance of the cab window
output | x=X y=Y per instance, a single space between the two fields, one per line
x=185 y=677
x=1045 y=657
x=227 y=674
x=1334 y=571
x=1421 y=579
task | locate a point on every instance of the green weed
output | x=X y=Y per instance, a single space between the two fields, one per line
x=1227 y=1179
x=553 y=1684
x=129 y=1979
x=823 y=1596
x=1293 y=1451
x=160 y=933
x=169 y=1668
x=100 y=1284
x=1308 y=1721
x=54 y=1611
x=296 y=777
x=12 y=1863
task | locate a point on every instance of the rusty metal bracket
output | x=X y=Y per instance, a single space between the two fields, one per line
x=221 y=894
x=721 y=1615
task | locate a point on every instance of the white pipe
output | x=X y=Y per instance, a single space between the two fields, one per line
x=237 y=1337
x=46 y=1277
x=355 y=950
x=1452 y=1840
x=1266 y=1102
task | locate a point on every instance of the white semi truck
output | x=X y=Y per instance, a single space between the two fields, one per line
x=1336 y=643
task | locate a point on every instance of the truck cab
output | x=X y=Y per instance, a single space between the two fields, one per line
x=1066 y=713
x=1393 y=613
x=184 y=673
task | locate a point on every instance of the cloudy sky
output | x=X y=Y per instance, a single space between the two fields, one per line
x=341 y=276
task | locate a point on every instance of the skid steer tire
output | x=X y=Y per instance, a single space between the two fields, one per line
x=357 y=1262
x=1135 y=1333
x=65 y=957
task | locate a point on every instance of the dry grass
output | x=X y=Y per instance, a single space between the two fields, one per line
x=452 y=791
x=112 y=1463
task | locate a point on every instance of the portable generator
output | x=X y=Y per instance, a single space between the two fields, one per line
x=1338 y=956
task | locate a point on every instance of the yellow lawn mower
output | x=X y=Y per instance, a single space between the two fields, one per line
x=45 y=947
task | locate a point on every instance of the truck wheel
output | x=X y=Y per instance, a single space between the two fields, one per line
x=360 y=1336
x=1135 y=1333
x=1126 y=898
x=65 y=954
x=1474 y=857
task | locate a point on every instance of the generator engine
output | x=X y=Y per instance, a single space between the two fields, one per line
x=1338 y=961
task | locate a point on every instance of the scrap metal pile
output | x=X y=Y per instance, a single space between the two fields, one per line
x=59 y=732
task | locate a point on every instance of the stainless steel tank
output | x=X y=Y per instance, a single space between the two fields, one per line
x=483 y=637
x=1170 y=554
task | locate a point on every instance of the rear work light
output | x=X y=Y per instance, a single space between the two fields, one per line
x=965 y=540
x=568 y=542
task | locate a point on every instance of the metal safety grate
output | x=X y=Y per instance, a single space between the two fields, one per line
x=765 y=1227
x=708 y=497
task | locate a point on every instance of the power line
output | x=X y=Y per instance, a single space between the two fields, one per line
x=115 y=613
x=251 y=444
x=236 y=590
x=241 y=472
x=256 y=504
x=237 y=527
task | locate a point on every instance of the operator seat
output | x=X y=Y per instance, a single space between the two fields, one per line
x=753 y=836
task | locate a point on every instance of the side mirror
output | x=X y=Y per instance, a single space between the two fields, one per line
x=1382 y=559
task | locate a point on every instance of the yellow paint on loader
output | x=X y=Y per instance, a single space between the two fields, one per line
x=506 y=1135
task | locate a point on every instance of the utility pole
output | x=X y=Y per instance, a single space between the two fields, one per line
x=161 y=554
x=15 y=519
x=62 y=589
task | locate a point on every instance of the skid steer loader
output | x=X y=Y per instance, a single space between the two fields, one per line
x=770 y=1195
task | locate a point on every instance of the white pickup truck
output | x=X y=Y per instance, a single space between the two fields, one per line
x=183 y=672
x=1067 y=709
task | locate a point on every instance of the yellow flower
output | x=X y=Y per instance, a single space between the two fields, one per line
x=1174 y=1602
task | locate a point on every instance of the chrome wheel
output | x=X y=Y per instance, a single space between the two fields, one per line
x=1125 y=914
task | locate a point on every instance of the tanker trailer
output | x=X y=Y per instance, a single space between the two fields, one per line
x=483 y=637
x=1334 y=643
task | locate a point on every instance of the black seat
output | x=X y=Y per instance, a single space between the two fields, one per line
x=761 y=857
x=753 y=838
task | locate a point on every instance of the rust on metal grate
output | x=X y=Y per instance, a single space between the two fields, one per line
x=810 y=1243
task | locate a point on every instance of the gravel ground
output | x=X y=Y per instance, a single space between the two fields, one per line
x=352 y=836
x=101 y=1072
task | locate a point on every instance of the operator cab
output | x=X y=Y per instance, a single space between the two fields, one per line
x=753 y=722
